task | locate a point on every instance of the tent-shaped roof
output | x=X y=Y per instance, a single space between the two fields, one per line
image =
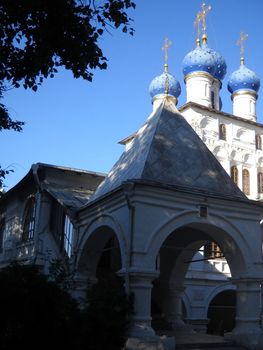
x=167 y=151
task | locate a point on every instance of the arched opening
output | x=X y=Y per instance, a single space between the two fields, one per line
x=101 y=255
x=234 y=174
x=193 y=260
x=260 y=182
x=110 y=259
x=222 y=313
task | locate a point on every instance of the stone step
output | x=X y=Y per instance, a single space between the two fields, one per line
x=215 y=348
x=209 y=346
x=199 y=341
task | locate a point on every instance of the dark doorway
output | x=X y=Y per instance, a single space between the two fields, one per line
x=222 y=313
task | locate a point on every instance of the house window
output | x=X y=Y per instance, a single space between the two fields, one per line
x=62 y=229
x=2 y=230
x=246 y=182
x=68 y=236
x=212 y=251
x=258 y=142
x=29 y=220
x=234 y=174
x=222 y=132
x=260 y=182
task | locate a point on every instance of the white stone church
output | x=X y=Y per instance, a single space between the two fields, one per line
x=178 y=216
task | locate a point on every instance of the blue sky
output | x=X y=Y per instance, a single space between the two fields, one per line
x=71 y=122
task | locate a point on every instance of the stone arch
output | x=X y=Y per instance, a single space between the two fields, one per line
x=248 y=158
x=243 y=134
x=207 y=122
x=218 y=289
x=220 y=152
x=94 y=238
x=226 y=234
x=177 y=241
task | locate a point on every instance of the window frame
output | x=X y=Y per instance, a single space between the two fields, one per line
x=246 y=181
x=62 y=229
x=29 y=220
x=222 y=131
x=258 y=142
x=260 y=182
x=234 y=174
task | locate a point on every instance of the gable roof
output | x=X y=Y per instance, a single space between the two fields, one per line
x=166 y=150
x=71 y=187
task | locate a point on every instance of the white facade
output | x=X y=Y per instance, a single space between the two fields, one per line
x=236 y=141
x=239 y=147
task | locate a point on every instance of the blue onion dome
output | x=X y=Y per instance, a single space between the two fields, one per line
x=220 y=66
x=201 y=59
x=165 y=84
x=204 y=59
x=243 y=79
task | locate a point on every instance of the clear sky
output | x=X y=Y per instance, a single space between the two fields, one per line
x=71 y=122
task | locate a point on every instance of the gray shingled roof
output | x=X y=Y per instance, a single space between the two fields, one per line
x=166 y=150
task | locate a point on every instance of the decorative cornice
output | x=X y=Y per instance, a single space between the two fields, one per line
x=244 y=92
x=198 y=74
x=225 y=114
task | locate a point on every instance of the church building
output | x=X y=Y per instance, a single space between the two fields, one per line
x=178 y=217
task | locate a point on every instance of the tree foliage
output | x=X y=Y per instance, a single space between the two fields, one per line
x=105 y=320
x=38 y=313
x=39 y=36
x=33 y=308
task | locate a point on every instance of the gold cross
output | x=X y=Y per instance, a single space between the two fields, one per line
x=197 y=23
x=203 y=14
x=240 y=42
x=167 y=44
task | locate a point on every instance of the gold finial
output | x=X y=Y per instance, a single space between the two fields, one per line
x=166 y=46
x=240 y=42
x=203 y=14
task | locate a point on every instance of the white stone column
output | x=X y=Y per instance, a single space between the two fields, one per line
x=81 y=283
x=140 y=285
x=248 y=329
x=175 y=307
